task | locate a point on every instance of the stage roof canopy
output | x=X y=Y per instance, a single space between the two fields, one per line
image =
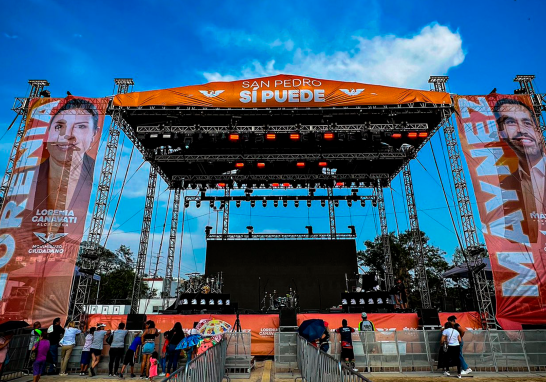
x=279 y=129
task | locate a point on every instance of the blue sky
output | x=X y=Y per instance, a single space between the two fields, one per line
x=82 y=48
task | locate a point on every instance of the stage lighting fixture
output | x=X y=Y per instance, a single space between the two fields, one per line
x=412 y=135
x=228 y=302
x=211 y=204
x=186 y=204
x=222 y=205
x=323 y=164
x=234 y=137
x=309 y=203
x=309 y=230
x=239 y=165
x=296 y=203
x=238 y=203
x=285 y=203
x=203 y=301
x=361 y=301
x=396 y=135
x=328 y=136
x=252 y=203
x=300 y=164
x=423 y=134
x=184 y=301
x=167 y=136
x=187 y=141
x=221 y=185
x=349 y=203
x=295 y=136
x=363 y=202
x=260 y=165
x=374 y=203
x=336 y=203
x=323 y=203
x=353 y=301
x=344 y=301
x=220 y=302
x=211 y=301
x=353 y=230
x=270 y=136
x=264 y=203
x=207 y=230
x=194 y=301
x=340 y=184
x=198 y=203
x=275 y=203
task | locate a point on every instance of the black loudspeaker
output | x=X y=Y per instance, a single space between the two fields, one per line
x=135 y=321
x=428 y=317
x=288 y=317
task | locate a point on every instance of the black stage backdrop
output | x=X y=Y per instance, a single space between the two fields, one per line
x=315 y=268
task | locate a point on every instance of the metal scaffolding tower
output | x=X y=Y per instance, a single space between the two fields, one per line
x=21 y=108
x=418 y=250
x=89 y=255
x=539 y=101
x=225 y=216
x=172 y=247
x=144 y=237
x=331 y=212
x=472 y=249
x=389 y=274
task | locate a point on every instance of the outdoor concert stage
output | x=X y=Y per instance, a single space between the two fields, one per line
x=263 y=326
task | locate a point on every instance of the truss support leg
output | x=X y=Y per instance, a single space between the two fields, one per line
x=171 y=252
x=472 y=249
x=526 y=86
x=21 y=108
x=144 y=237
x=331 y=212
x=389 y=274
x=225 y=217
x=418 y=251
x=88 y=255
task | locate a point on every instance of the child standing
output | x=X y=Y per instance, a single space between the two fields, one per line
x=153 y=365
x=42 y=348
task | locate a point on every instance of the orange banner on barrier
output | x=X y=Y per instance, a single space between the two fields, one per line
x=506 y=158
x=44 y=211
x=468 y=320
x=280 y=91
x=263 y=326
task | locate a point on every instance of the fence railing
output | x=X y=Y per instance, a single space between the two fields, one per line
x=318 y=366
x=417 y=350
x=17 y=358
x=208 y=366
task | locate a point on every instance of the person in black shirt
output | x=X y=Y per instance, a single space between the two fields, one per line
x=345 y=333
x=400 y=294
x=175 y=335
x=54 y=333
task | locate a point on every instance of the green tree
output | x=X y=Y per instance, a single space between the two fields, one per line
x=116 y=270
x=403 y=263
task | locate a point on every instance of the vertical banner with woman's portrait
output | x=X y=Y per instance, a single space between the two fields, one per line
x=43 y=216
x=505 y=152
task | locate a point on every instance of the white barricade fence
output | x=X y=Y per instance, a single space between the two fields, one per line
x=209 y=366
x=318 y=366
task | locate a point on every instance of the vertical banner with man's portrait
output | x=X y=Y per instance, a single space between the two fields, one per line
x=43 y=216
x=506 y=158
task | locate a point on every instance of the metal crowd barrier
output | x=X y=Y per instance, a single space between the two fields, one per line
x=238 y=355
x=286 y=354
x=318 y=366
x=17 y=358
x=417 y=350
x=208 y=366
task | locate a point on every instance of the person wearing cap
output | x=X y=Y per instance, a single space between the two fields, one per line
x=96 y=347
x=366 y=325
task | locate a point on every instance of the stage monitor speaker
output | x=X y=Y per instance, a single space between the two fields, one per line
x=135 y=321
x=288 y=317
x=428 y=317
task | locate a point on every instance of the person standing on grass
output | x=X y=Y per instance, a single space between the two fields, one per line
x=131 y=355
x=347 y=353
x=96 y=347
x=86 y=352
x=460 y=329
x=67 y=344
x=42 y=349
x=116 y=349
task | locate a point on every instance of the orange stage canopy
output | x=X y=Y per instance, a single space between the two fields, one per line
x=280 y=91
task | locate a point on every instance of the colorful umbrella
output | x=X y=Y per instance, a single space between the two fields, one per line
x=205 y=345
x=201 y=323
x=214 y=327
x=189 y=341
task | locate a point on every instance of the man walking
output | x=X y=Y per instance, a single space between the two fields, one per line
x=460 y=329
x=347 y=353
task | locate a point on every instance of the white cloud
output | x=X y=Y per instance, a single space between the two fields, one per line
x=384 y=60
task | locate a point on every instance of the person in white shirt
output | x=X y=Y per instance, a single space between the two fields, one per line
x=86 y=352
x=68 y=342
x=452 y=338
